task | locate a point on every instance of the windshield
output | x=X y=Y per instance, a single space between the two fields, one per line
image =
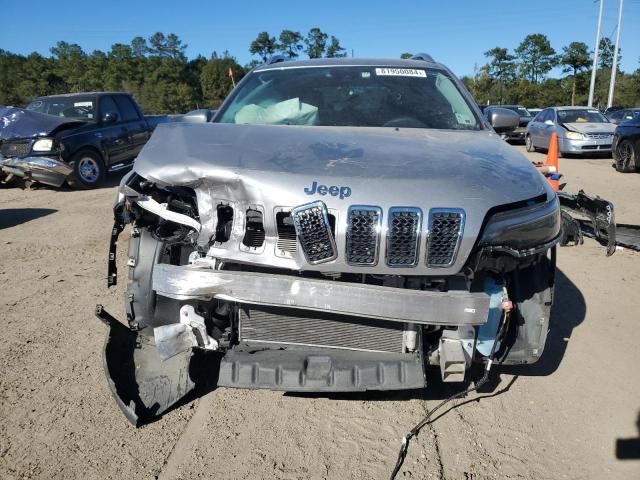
x=581 y=116
x=363 y=96
x=523 y=112
x=80 y=108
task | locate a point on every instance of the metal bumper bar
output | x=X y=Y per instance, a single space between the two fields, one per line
x=45 y=170
x=370 y=301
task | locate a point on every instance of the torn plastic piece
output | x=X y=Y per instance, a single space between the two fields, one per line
x=142 y=385
x=116 y=230
x=161 y=210
x=600 y=213
x=628 y=236
x=180 y=337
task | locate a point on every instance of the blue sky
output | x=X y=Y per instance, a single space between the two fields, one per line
x=454 y=32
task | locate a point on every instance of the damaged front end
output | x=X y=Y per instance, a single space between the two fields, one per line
x=250 y=294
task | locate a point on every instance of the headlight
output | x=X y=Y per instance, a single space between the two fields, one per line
x=574 y=136
x=43 y=145
x=523 y=228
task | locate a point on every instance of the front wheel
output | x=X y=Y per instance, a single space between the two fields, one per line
x=625 y=155
x=88 y=170
x=528 y=143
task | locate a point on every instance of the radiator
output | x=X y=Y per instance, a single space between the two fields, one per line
x=286 y=326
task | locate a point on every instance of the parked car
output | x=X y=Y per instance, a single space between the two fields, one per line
x=626 y=145
x=534 y=111
x=623 y=114
x=580 y=130
x=75 y=137
x=516 y=135
x=317 y=235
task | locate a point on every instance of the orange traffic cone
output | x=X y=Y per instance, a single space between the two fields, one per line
x=551 y=166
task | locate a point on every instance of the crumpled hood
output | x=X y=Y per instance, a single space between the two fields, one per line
x=471 y=163
x=583 y=127
x=21 y=123
x=275 y=168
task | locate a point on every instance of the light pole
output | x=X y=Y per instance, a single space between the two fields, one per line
x=614 y=67
x=594 y=69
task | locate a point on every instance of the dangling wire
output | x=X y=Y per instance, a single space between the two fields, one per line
x=404 y=447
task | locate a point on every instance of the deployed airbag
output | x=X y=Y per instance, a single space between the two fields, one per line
x=288 y=112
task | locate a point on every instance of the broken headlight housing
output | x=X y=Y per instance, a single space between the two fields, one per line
x=523 y=228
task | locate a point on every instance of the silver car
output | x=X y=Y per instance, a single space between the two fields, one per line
x=337 y=226
x=580 y=130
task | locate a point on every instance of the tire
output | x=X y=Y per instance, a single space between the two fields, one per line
x=88 y=170
x=625 y=157
x=528 y=143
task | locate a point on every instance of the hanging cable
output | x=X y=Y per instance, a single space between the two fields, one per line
x=404 y=447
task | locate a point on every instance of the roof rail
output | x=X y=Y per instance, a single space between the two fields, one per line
x=423 y=56
x=276 y=59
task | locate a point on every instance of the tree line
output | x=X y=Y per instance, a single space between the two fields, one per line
x=155 y=70
x=520 y=77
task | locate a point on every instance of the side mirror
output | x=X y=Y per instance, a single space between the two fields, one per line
x=109 y=117
x=549 y=122
x=202 y=115
x=503 y=120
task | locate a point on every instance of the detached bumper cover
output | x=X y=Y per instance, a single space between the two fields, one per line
x=370 y=301
x=45 y=170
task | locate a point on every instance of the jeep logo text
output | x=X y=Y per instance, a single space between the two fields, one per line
x=332 y=190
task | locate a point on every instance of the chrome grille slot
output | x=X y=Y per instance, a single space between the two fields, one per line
x=287 y=326
x=403 y=236
x=363 y=235
x=445 y=232
x=312 y=226
x=287 y=240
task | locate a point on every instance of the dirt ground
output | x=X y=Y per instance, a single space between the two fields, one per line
x=557 y=419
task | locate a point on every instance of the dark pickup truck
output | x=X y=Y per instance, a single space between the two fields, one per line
x=73 y=137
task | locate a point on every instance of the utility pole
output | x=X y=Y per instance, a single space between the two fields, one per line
x=594 y=69
x=614 y=68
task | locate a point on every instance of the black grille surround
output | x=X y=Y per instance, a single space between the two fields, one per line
x=403 y=236
x=443 y=237
x=363 y=235
x=311 y=222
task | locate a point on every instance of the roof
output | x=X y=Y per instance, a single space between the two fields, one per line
x=63 y=95
x=505 y=106
x=346 y=61
x=576 y=107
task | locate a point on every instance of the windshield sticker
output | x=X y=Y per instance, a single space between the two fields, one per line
x=400 y=72
x=83 y=104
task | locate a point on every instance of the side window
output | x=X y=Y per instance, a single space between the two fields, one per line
x=108 y=105
x=616 y=115
x=628 y=115
x=542 y=116
x=551 y=115
x=128 y=109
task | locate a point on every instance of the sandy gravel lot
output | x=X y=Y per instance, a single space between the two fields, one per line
x=554 y=420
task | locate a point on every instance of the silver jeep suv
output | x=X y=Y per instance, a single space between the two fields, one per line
x=339 y=225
